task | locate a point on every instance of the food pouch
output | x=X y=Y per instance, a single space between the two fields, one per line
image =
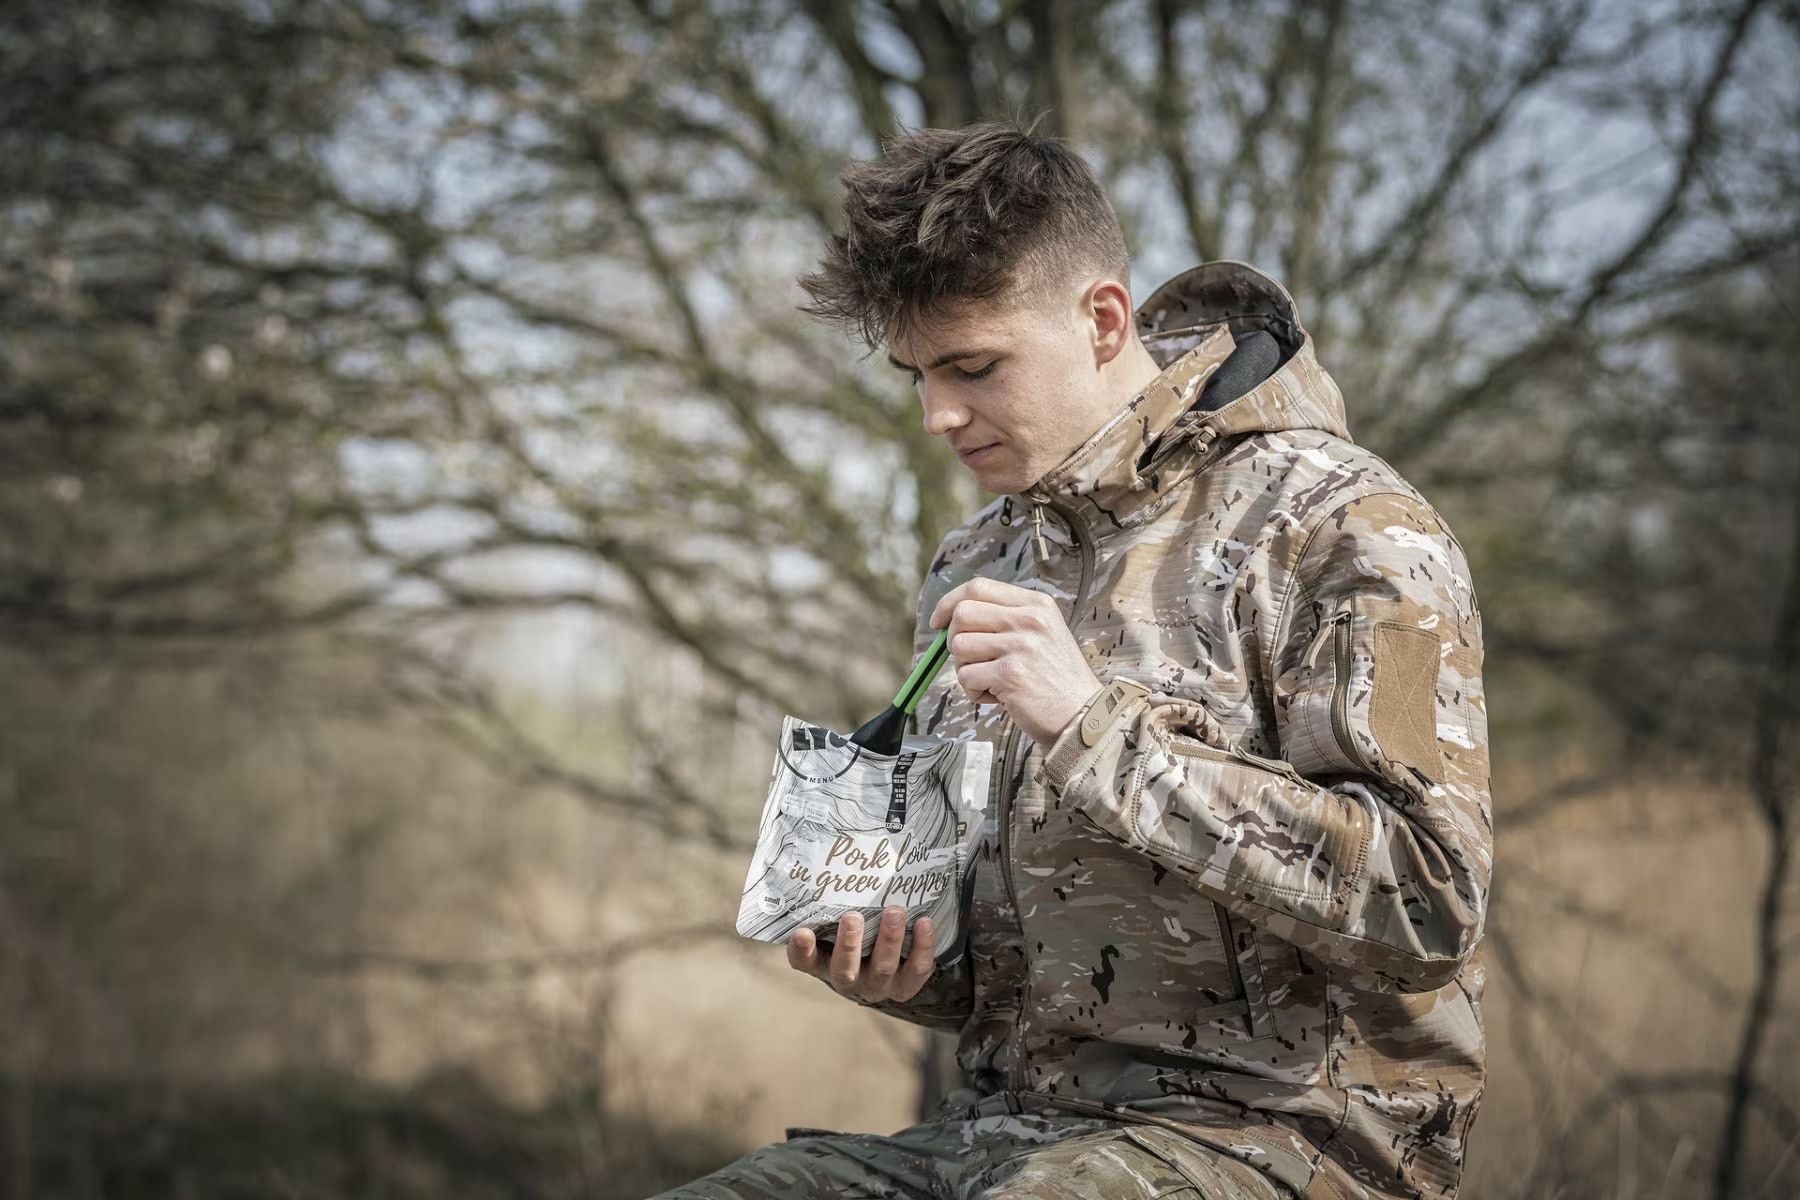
x=845 y=829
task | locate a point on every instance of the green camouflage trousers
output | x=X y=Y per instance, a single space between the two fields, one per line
x=1003 y=1156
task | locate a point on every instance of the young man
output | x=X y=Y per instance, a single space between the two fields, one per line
x=1223 y=940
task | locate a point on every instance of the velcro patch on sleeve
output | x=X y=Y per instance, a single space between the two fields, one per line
x=1403 y=696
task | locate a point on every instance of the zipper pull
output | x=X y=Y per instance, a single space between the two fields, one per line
x=1329 y=626
x=1037 y=532
x=1006 y=507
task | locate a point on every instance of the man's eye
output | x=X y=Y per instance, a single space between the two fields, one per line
x=981 y=374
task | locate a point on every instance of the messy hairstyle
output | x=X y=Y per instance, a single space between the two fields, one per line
x=987 y=212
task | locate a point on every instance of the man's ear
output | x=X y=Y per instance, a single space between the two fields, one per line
x=1106 y=309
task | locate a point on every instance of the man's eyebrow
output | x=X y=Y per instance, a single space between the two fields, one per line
x=951 y=357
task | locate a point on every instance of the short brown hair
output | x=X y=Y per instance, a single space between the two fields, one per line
x=986 y=212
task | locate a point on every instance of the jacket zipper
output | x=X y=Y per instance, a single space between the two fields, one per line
x=1001 y=798
x=1231 y=959
x=1200 y=442
x=1340 y=689
x=1037 y=534
x=1079 y=535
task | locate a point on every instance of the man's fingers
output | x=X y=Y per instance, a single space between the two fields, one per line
x=982 y=679
x=884 y=977
x=976 y=645
x=919 y=963
x=981 y=588
x=979 y=616
x=846 y=956
x=803 y=951
x=884 y=960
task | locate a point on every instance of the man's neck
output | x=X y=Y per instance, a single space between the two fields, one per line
x=1122 y=379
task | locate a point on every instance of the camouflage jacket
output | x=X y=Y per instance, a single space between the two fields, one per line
x=1242 y=893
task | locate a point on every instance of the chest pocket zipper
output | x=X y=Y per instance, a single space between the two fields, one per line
x=1246 y=975
x=1250 y=1005
x=1237 y=937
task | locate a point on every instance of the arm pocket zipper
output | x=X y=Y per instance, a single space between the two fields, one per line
x=1343 y=663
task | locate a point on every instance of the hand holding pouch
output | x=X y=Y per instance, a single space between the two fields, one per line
x=847 y=830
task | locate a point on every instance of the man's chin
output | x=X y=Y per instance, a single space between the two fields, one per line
x=997 y=480
x=1000 y=474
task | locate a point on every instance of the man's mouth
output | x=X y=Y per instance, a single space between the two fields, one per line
x=971 y=457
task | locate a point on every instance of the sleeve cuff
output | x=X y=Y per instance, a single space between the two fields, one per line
x=1114 y=705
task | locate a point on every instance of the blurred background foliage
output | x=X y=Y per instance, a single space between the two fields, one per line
x=409 y=448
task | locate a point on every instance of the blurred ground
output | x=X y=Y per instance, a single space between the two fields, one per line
x=292 y=978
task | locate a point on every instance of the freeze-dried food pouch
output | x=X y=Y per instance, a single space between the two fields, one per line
x=845 y=829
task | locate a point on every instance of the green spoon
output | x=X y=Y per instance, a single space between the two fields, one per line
x=887 y=732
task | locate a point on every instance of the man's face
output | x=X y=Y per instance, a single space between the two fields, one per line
x=1012 y=392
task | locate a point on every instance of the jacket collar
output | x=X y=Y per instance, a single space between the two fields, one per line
x=1128 y=470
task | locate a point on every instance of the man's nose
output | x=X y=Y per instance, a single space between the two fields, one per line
x=942 y=413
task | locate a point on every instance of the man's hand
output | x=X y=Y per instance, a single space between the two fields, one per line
x=1012 y=647
x=883 y=977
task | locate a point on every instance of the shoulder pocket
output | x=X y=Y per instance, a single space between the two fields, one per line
x=1364 y=697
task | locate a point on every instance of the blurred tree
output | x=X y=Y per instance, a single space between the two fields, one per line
x=1654 y=570
x=372 y=319
x=435 y=287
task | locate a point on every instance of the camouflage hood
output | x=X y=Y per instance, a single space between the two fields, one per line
x=1241 y=895
x=1135 y=463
